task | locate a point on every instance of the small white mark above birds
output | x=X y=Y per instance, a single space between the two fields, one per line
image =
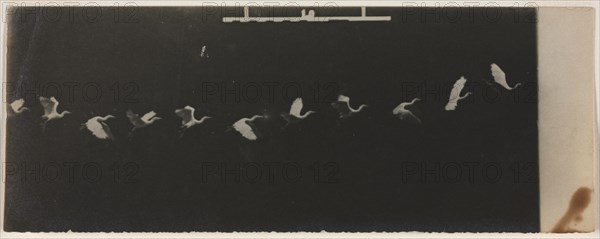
x=204 y=52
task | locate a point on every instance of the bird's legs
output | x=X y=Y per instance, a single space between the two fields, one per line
x=43 y=124
x=131 y=132
x=182 y=130
x=414 y=117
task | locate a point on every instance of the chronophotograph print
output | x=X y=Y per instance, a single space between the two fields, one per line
x=260 y=119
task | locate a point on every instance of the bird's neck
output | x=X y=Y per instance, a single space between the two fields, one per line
x=255 y=117
x=202 y=119
x=360 y=108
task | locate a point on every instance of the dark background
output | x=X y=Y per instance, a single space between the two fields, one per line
x=152 y=55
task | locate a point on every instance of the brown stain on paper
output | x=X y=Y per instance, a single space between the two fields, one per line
x=579 y=202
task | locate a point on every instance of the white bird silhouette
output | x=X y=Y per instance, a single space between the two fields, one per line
x=455 y=94
x=187 y=117
x=97 y=125
x=295 y=113
x=50 y=110
x=405 y=114
x=245 y=127
x=18 y=106
x=500 y=77
x=342 y=105
x=141 y=122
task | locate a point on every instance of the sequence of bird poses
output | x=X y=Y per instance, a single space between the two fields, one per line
x=245 y=127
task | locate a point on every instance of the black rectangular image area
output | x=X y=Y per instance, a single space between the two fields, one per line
x=286 y=119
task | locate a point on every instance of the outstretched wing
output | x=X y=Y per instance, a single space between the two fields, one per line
x=245 y=129
x=456 y=89
x=455 y=93
x=451 y=106
x=410 y=117
x=499 y=75
x=96 y=128
x=148 y=116
x=134 y=118
x=296 y=107
x=342 y=107
x=454 y=96
x=17 y=104
x=107 y=131
x=47 y=104
x=185 y=114
x=343 y=98
x=55 y=103
x=398 y=109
